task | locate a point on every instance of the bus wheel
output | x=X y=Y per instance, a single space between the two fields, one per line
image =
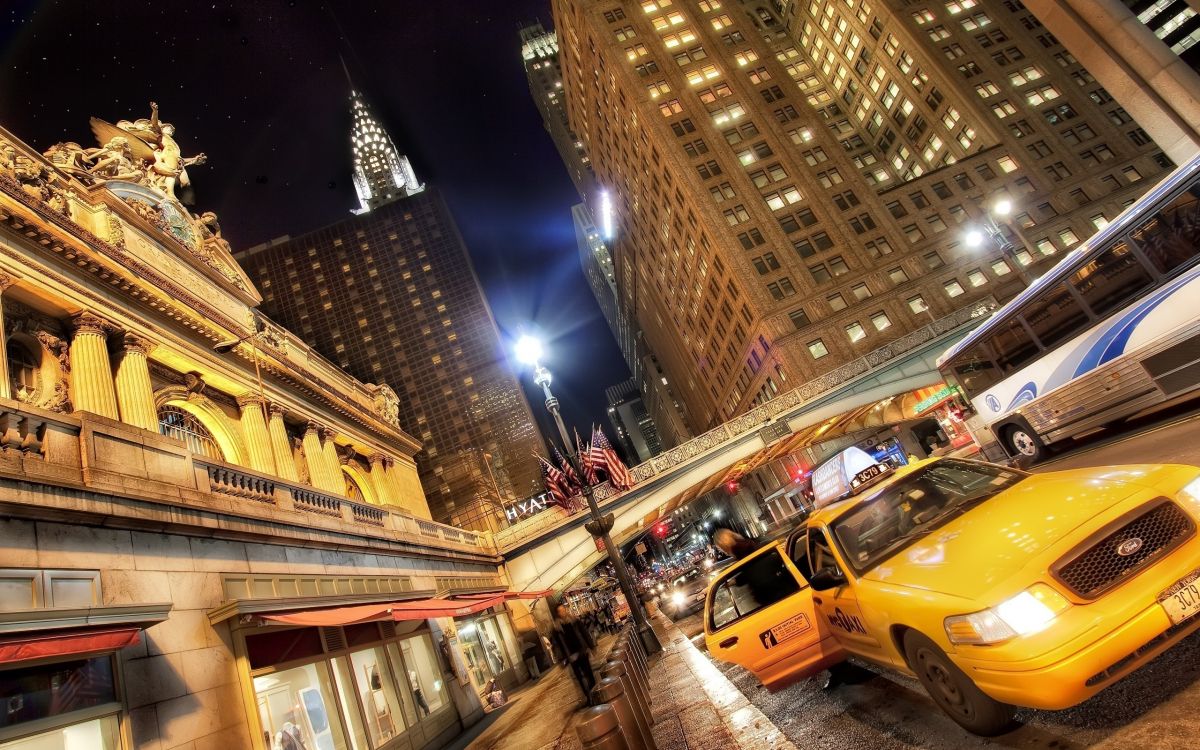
x=953 y=691
x=1024 y=442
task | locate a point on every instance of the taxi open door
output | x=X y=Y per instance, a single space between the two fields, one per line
x=760 y=615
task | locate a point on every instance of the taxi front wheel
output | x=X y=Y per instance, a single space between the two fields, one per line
x=953 y=691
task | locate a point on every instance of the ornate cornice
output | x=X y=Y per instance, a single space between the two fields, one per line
x=6 y=281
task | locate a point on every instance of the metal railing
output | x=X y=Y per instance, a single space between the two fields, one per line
x=755 y=418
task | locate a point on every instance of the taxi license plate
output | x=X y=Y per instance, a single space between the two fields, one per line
x=1182 y=600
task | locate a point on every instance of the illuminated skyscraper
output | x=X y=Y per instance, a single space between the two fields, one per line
x=792 y=182
x=381 y=173
x=391 y=294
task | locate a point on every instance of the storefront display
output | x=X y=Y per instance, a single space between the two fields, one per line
x=490 y=649
x=72 y=704
x=366 y=697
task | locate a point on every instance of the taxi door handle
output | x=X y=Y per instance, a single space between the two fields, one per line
x=817 y=600
x=728 y=642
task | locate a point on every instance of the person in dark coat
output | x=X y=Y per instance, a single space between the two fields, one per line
x=576 y=644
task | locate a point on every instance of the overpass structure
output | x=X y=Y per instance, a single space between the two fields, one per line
x=552 y=549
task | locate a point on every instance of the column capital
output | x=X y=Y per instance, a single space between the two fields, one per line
x=327 y=433
x=313 y=427
x=276 y=410
x=135 y=343
x=381 y=458
x=7 y=280
x=89 y=322
x=249 y=399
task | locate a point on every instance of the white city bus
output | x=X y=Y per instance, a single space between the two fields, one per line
x=1112 y=329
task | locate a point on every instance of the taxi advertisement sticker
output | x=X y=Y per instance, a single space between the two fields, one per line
x=789 y=628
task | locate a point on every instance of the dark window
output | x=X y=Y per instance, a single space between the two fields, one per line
x=804 y=248
x=799 y=318
x=759 y=583
x=975 y=371
x=1170 y=240
x=1013 y=346
x=48 y=690
x=1055 y=316
x=819 y=273
x=1111 y=280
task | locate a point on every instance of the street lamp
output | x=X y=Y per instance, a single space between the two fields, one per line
x=974 y=237
x=529 y=351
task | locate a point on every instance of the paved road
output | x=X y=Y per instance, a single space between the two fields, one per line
x=1153 y=708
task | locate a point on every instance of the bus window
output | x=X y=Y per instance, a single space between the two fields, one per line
x=1170 y=240
x=1111 y=280
x=1055 y=316
x=974 y=371
x=1013 y=346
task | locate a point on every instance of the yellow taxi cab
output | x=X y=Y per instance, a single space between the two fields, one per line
x=994 y=587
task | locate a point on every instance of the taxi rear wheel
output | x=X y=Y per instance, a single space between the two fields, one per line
x=953 y=691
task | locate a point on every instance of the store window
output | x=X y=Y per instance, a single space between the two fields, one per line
x=299 y=709
x=60 y=706
x=424 y=675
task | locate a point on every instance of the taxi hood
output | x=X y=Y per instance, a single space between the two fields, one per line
x=980 y=549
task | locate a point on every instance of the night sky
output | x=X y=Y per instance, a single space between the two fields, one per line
x=257 y=86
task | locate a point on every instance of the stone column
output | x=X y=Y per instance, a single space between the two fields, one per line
x=383 y=483
x=135 y=394
x=254 y=429
x=337 y=480
x=91 y=371
x=281 y=446
x=5 y=382
x=403 y=498
x=318 y=471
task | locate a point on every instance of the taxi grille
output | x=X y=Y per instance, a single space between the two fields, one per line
x=1096 y=566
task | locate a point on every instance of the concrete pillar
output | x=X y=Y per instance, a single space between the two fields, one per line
x=254 y=429
x=382 y=482
x=318 y=471
x=337 y=480
x=135 y=394
x=281 y=445
x=5 y=382
x=1152 y=83
x=92 y=386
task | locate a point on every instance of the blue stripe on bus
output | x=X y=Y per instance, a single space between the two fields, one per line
x=1027 y=393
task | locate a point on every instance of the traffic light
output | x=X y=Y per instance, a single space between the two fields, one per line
x=799 y=474
x=732 y=486
x=659 y=530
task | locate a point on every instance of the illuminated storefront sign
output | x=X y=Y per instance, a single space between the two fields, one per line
x=933 y=399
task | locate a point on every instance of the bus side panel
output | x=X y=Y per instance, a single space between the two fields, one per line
x=1140 y=330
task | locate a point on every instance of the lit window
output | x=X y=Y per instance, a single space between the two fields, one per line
x=1068 y=237
x=855 y=332
x=1007 y=164
x=817 y=349
x=1001 y=268
x=881 y=321
x=721 y=22
x=953 y=288
x=837 y=302
x=917 y=304
x=976 y=278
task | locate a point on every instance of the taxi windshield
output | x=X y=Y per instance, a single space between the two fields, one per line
x=915 y=505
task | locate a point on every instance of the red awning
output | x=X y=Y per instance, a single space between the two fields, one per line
x=47 y=645
x=416 y=609
x=333 y=615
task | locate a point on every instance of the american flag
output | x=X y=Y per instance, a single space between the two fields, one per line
x=618 y=474
x=572 y=479
x=585 y=460
x=555 y=482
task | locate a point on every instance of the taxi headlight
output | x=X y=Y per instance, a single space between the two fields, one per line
x=1191 y=492
x=1028 y=612
x=678 y=599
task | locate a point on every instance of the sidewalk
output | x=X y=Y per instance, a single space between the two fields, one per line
x=695 y=708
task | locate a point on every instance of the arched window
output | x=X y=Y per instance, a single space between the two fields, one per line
x=353 y=491
x=23 y=367
x=182 y=425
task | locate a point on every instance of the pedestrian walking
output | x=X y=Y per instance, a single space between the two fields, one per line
x=576 y=644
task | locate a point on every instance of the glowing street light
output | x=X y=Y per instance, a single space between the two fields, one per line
x=974 y=237
x=528 y=350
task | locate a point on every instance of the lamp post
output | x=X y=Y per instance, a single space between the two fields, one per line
x=529 y=351
x=993 y=229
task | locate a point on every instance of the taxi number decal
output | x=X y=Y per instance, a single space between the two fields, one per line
x=785 y=630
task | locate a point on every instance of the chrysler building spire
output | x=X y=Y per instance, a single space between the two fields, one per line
x=381 y=173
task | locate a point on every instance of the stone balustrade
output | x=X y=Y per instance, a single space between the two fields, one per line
x=113 y=459
x=752 y=420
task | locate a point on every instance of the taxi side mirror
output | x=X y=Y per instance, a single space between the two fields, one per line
x=827 y=578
